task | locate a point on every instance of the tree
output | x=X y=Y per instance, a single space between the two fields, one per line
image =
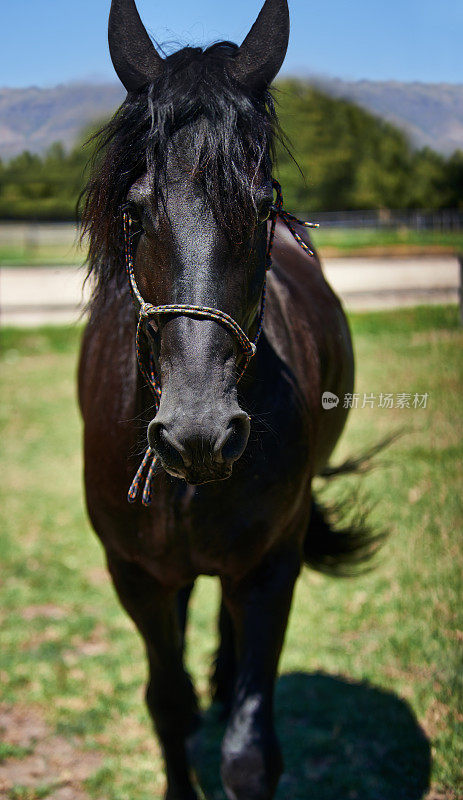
x=349 y=159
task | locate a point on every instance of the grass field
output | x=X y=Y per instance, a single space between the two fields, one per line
x=43 y=255
x=17 y=249
x=400 y=241
x=369 y=702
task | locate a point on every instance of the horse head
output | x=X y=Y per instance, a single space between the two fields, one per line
x=199 y=207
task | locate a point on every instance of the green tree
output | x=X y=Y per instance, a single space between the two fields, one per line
x=349 y=159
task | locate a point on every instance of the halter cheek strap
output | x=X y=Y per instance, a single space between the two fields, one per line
x=147 y=312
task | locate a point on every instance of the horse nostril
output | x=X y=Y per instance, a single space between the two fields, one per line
x=232 y=446
x=170 y=452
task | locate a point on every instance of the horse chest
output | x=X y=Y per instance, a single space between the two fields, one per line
x=205 y=530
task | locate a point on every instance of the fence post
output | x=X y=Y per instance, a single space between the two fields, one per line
x=31 y=238
x=460 y=287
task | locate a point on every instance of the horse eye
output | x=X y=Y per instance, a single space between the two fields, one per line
x=264 y=208
x=136 y=216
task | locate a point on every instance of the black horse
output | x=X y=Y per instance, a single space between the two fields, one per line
x=182 y=196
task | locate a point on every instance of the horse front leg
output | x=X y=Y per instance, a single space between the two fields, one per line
x=259 y=608
x=183 y=598
x=170 y=695
x=223 y=676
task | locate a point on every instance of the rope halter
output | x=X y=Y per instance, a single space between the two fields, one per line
x=148 y=312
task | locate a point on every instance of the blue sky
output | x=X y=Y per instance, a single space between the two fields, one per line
x=44 y=42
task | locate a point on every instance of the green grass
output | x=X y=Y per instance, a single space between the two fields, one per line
x=12 y=751
x=372 y=666
x=26 y=793
x=347 y=241
x=18 y=255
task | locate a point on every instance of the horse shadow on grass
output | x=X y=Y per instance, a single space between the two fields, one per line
x=341 y=740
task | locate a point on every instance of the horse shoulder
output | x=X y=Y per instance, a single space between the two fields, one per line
x=307 y=327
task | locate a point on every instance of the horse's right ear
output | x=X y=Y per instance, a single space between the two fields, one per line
x=133 y=54
x=258 y=60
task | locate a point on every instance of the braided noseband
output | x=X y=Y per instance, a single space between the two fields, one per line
x=148 y=312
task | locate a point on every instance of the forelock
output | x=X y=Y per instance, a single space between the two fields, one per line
x=231 y=135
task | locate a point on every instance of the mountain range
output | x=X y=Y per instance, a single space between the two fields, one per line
x=33 y=118
x=430 y=113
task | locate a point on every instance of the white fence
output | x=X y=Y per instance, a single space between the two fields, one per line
x=443 y=221
x=31 y=235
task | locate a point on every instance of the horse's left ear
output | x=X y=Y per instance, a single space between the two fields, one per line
x=133 y=54
x=262 y=53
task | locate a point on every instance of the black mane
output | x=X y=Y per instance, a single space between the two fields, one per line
x=232 y=133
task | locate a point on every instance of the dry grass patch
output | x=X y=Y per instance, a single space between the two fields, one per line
x=41 y=764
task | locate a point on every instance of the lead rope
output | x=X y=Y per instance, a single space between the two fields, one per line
x=147 y=312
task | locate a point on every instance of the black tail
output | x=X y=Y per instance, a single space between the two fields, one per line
x=337 y=547
x=363 y=462
x=339 y=550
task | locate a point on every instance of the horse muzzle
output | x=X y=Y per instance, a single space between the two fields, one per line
x=199 y=450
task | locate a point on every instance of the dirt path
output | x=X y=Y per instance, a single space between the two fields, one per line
x=375 y=283
x=53 y=295
x=39 y=760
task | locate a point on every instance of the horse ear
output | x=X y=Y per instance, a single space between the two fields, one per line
x=262 y=53
x=133 y=54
